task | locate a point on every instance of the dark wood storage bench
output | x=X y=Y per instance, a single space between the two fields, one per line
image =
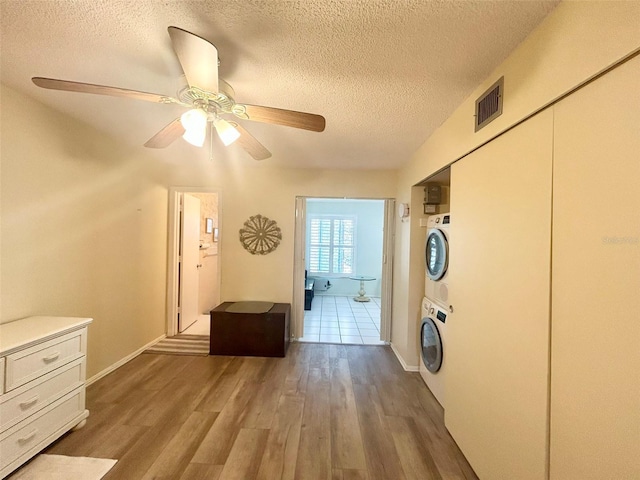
x=250 y=334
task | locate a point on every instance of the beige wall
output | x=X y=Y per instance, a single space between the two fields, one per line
x=208 y=209
x=576 y=42
x=84 y=226
x=271 y=192
x=208 y=284
x=83 y=229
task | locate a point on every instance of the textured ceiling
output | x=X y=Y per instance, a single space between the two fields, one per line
x=384 y=73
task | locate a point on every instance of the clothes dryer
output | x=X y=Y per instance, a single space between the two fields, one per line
x=432 y=352
x=436 y=256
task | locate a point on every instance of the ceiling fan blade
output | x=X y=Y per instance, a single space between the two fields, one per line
x=167 y=135
x=252 y=146
x=198 y=57
x=54 y=84
x=288 y=118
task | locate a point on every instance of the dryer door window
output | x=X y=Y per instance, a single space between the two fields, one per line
x=436 y=251
x=431 y=345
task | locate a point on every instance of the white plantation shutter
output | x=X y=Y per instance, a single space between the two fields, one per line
x=343 y=233
x=332 y=245
x=320 y=245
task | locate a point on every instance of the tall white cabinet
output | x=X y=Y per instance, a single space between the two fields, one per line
x=42 y=388
x=543 y=346
x=499 y=276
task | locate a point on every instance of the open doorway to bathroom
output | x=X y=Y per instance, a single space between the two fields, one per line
x=194 y=260
x=344 y=255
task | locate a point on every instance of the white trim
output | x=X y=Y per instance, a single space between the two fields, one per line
x=173 y=246
x=299 y=251
x=122 y=361
x=407 y=368
x=386 y=287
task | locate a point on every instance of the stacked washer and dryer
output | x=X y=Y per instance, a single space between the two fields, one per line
x=435 y=305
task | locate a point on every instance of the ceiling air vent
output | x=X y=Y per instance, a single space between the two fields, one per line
x=489 y=105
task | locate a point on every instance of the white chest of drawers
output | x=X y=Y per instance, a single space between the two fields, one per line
x=42 y=384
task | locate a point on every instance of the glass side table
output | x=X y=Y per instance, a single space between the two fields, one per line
x=361 y=293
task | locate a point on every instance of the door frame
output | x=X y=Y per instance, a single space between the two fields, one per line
x=386 y=293
x=299 y=249
x=173 y=249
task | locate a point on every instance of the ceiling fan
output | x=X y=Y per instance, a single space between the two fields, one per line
x=206 y=96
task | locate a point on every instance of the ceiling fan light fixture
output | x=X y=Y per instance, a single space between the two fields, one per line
x=195 y=137
x=227 y=132
x=195 y=124
x=206 y=95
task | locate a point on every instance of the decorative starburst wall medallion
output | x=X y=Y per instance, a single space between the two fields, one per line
x=260 y=235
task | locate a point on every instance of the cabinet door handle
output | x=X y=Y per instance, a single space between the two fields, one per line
x=50 y=358
x=26 y=438
x=28 y=403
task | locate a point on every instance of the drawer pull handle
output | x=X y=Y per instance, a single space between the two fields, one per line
x=51 y=358
x=28 y=403
x=26 y=438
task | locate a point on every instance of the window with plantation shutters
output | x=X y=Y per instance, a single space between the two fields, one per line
x=332 y=244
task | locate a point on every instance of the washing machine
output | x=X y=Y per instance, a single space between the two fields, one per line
x=436 y=256
x=432 y=334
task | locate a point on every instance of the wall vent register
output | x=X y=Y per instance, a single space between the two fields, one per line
x=489 y=105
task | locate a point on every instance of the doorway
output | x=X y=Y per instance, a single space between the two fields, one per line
x=343 y=270
x=193 y=286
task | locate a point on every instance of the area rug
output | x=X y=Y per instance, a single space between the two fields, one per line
x=182 y=345
x=61 y=467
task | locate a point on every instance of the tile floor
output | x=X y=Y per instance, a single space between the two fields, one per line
x=334 y=319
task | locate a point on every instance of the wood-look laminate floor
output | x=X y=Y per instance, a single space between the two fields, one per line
x=323 y=412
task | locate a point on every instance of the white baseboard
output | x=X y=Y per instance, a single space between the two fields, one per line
x=407 y=368
x=122 y=361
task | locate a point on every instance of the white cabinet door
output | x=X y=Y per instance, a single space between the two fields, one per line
x=497 y=349
x=595 y=353
x=190 y=261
